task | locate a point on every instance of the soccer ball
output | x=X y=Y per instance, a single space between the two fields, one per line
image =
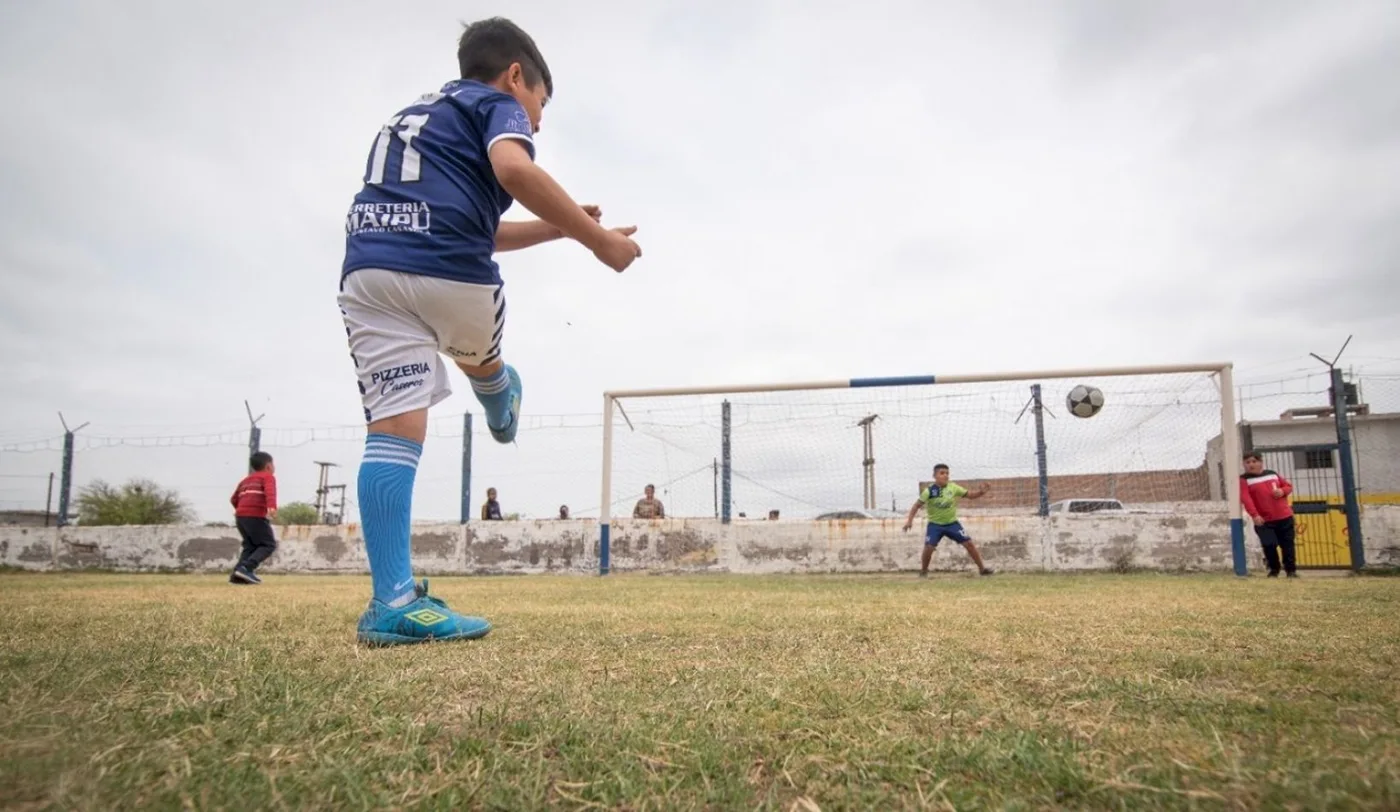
x=1084 y=400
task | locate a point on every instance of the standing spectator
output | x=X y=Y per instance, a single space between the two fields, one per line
x=491 y=510
x=772 y=515
x=254 y=507
x=649 y=507
x=563 y=512
x=1264 y=496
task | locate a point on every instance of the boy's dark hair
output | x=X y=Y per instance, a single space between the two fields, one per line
x=259 y=461
x=1253 y=455
x=488 y=47
x=940 y=467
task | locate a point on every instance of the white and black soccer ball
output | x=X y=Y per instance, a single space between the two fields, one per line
x=1084 y=400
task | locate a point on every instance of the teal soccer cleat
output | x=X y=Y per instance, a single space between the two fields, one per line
x=507 y=434
x=425 y=620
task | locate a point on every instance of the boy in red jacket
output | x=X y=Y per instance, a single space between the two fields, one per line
x=1264 y=496
x=254 y=506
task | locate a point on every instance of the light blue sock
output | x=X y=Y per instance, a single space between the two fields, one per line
x=386 y=499
x=494 y=393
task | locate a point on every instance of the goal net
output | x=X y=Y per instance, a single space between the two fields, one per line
x=865 y=447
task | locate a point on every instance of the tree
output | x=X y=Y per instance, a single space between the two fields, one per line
x=139 y=501
x=297 y=513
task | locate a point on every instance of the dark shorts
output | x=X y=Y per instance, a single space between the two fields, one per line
x=936 y=533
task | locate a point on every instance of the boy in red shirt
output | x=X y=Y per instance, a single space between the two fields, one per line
x=254 y=506
x=1264 y=496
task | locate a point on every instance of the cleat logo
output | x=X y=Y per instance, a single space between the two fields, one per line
x=426 y=617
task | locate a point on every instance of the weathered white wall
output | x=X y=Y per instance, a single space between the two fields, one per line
x=1380 y=533
x=1190 y=541
x=1010 y=543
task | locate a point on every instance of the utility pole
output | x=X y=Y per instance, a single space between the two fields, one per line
x=323 y=490
x=726 y=484
x=254 y=434
x=1350 y=497
x=65 y=488
x=1037 y=407
x=464 y=499
x=867 y=425
x=715 y=467
x=339 y=515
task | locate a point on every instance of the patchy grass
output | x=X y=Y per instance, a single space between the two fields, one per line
x=1018 y=692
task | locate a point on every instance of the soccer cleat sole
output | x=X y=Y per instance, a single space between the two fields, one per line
x=385 y=639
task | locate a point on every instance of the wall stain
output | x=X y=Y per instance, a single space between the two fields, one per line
x=36 y=552
x=758 y=552
x=488 y=552
x=1012 y=545
x=677 y=545
x=204 y=551
x=437 y=545
x=331 y=548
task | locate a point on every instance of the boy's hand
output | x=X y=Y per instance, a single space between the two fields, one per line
x=908 y=525
x=1278 y=493
x=596 y=212
x=1258 y=521
x=615 y=248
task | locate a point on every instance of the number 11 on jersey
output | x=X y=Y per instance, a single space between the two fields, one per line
x=406 y=128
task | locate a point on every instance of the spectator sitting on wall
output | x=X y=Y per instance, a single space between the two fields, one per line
x=563 y=511
x=649 y=507
x=491 y=510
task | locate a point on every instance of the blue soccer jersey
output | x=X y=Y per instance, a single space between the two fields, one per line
x=431 y=203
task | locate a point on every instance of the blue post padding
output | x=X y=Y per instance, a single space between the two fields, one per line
x=906 y=380
x=604 y=553
x=1237 y=546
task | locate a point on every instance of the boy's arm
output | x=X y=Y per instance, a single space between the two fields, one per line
x=979 y=492
x=537 y=191
x=270 y=487
x=1285 y=486
x=1247 y=503
x=913 y=511
x=515 y=236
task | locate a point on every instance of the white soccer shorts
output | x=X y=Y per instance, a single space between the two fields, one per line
x=398 y=323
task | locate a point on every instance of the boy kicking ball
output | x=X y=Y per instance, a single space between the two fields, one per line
x=419 y=282
x=941 y=501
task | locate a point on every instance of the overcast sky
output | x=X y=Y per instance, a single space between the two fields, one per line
x=824 y=190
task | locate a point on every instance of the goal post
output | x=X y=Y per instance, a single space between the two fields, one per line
x=1162 y=411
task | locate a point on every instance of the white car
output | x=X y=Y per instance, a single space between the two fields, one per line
x=1082 y=506
x=859 y=514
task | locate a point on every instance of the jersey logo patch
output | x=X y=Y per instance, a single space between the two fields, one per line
x=378 y=218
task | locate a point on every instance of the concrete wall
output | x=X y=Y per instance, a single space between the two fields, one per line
x=1011 y=543
x=1380 y=532
x=1196 y=541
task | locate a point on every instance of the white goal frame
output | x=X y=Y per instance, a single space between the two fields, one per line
x=1223 y=373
